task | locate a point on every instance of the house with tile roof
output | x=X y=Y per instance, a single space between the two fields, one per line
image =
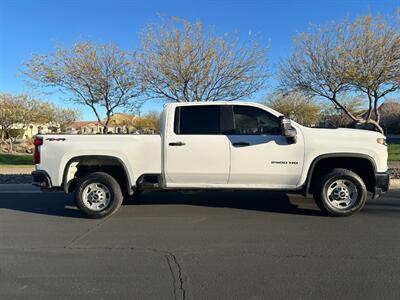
x=93 y=127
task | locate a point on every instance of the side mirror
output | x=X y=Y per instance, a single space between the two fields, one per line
x=288 y=130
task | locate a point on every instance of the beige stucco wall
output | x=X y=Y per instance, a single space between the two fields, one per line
x=34 y=129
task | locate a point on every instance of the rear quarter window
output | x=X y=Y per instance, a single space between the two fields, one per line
x=201 y=119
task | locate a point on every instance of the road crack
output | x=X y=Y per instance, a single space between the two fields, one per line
x=178 y=278
x=86 y=233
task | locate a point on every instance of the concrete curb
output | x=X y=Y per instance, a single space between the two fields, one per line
x=16 y=171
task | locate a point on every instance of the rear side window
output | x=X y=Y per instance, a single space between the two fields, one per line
x=198 y=119
x=254 y=121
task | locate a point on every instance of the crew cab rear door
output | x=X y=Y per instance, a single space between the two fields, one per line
x=260 y=155
x=196 y=154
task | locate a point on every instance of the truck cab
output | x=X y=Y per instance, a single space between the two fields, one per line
x=230 y=146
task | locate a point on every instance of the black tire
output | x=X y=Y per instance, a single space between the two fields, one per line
x=325 y=203
x=105 y=180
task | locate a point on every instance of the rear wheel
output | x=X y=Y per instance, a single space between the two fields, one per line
x=340 y=193
x=98 y=195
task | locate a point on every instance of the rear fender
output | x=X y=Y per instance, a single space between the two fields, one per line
x=71 y=168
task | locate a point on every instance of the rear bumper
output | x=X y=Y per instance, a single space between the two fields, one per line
x=41 y=179
x=382 y=183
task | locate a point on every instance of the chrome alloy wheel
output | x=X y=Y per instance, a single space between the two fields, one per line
x=342 y=193
x=96 y=196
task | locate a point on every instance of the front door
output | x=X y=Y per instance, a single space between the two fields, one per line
x=196 y=153
x=260 y=155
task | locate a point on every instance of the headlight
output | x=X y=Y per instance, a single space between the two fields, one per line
x=381 y=141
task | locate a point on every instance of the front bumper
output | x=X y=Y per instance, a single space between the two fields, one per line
x=41 y=179
x=382 y=183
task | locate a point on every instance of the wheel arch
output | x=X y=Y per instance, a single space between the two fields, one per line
x=99 y=163
x=356 y=162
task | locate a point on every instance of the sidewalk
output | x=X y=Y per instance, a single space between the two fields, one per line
x=16 y=170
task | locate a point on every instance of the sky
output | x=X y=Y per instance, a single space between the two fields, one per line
x=37 y=26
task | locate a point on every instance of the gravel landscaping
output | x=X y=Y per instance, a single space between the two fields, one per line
x=394 y=173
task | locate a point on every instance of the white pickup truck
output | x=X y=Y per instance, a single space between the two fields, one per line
x=216 y=145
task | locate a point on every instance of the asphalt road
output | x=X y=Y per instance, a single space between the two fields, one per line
x=215 y=245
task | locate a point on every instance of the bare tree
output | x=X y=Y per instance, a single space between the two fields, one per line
x=11 y=112
x=181 y=61
x=337 y=117
x=150 y=122
x=39 y=112
x=374 y=60
x=359 y=55
x=18 y=112
x=316 y=66
x=93 y=75
x=296 y=106
x=64 y=116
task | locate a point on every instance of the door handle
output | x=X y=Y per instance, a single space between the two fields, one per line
x=177 y=144
x=241 y=144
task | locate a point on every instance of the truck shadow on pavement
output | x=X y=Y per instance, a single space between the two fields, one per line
x=58 y=204
x=275 y=202
x=54 y=204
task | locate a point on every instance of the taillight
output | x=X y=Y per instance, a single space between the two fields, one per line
x=36 y=155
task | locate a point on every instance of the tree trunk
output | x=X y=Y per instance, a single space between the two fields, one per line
x=1 y=140
x=98 y=119
x=376 y=108
x=105 y=129
x=358 y=120
x=10 y=146
x=369 y=107
x=343 y=108
x=376 y=124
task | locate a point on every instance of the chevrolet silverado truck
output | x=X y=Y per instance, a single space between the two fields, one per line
x=216 y=145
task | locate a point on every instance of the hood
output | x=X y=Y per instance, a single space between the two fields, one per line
x=342 y=133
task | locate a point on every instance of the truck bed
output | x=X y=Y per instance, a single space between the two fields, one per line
x=141 y=154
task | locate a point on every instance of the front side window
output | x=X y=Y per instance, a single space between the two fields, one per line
x=197 y=119
x=249 y=120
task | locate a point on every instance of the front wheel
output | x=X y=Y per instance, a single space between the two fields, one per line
x=98 y=195
x=340 y=193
